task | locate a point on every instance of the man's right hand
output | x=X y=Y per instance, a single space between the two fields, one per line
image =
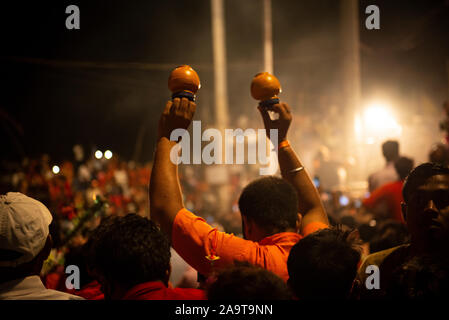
x=281 y=124
x=177 y=114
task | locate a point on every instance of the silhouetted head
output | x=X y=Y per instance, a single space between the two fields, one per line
x=390 y=150
x=388 y=235
x=271 y=205
x=244 y=281
x=403 y=166
x=439 y=154
x=426 y=206
x=323 y=265
x=126 y=251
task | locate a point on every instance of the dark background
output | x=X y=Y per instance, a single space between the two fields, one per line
x=103 y=84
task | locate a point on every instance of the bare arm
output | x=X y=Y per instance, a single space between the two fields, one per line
x=309 y=202
x=165 y=190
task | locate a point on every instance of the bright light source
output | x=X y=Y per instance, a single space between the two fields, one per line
x=98 y=154
x=344 y=200
x=108 y=154
x=375 y=123
x=55 y=169
x=378 y=120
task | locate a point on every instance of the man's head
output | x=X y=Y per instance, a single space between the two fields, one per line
x=439 y=154
x=247 y=282
x=269 y=204
x=389 y=234
x=403 y=166
x=323 y=265
x=25 y=241
x=426 y=206
x=126 y=251
x=390 y=150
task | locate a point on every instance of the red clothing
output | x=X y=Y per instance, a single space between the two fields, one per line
x=91 y=291
x=156 y=290
x=199 y=245
x=390 y=196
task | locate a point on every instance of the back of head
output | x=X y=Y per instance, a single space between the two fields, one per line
x=390 y=234
x=247 y=282
x=419 y=175
x=271 y=202
x=439 y=154
x=403 y=166
x=129 y=250
x=24 y=229
x=390 y=150
x=323 y=265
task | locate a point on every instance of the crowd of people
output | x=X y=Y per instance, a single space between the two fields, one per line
x=158 y=232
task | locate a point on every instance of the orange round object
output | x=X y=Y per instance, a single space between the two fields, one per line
x=184 y=78
x=265 y=86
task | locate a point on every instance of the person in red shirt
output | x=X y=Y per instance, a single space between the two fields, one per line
x=276 y=213
x=385 y=202
x=130 y=258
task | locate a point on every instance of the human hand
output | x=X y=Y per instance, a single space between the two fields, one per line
x=177 y=114
x=281 y=124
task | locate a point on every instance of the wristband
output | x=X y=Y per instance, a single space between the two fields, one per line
x=283 y=144
x=296 y=170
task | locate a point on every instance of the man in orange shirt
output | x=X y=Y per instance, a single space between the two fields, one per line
x=273 y=210
x=386 y=201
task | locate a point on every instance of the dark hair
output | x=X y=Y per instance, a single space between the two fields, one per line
x=439 y=154
x=403 y=166
x=418 y=177
x=129 y=250
x=389 y=234
x=323 y=265
x=244 y=281
x=390 y=150
x=271 y=202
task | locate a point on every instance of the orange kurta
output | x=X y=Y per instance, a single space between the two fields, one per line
x=195 y=240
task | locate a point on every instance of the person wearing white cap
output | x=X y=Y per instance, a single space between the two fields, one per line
x=25 y=243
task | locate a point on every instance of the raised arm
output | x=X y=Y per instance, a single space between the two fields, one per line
x=292 y=170
x=165 y=190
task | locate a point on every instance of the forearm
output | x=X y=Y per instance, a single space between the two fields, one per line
x=165 y=191
x=309 y=202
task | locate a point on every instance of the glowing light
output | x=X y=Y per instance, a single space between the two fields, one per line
x=379 y=121
x=344 y=200
x=55 y=169
x=98 y=154
x=108 y=154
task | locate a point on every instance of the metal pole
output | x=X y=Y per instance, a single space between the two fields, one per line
x=219 y=51
x=351 y=76
x=268 y=42
x=221 y=95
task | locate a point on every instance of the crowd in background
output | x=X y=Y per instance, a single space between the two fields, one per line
x=83 y=192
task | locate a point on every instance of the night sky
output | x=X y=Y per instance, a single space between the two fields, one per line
x=100 y=85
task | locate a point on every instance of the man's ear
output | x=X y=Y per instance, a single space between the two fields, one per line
x=246 y=227
x=167 y=275
x=404 y=210
x=354 y=236
x=298 y=222
x=47 y=247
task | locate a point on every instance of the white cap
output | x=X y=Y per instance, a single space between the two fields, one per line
x=24 y=226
